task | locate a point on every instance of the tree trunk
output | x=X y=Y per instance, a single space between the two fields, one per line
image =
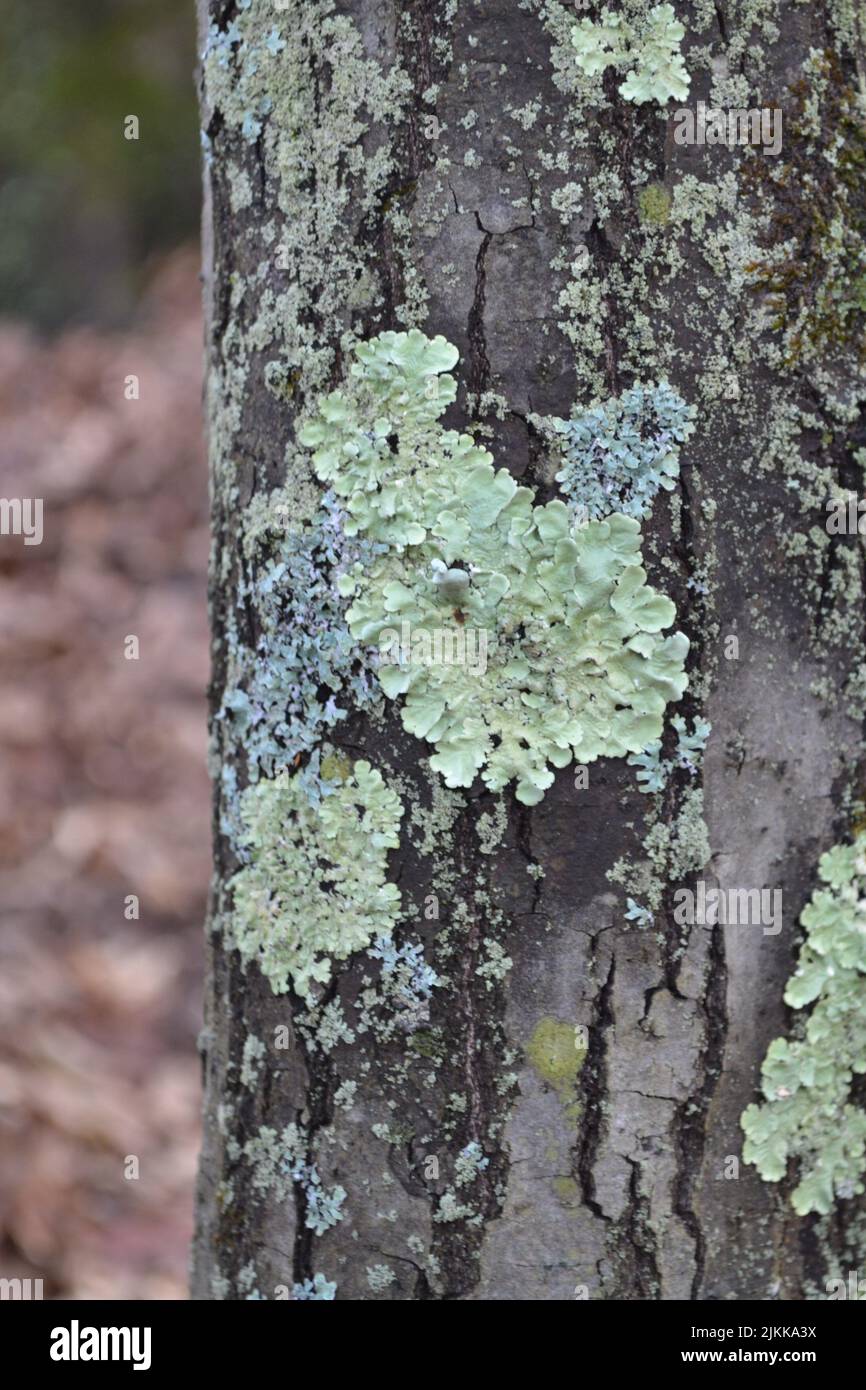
x=558 y=1116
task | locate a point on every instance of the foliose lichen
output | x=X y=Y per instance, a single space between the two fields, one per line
x=407 y=978
x=380 y=1277
x=653 y=770
x=303 y=671
x=469 y=1163
x=636 y=913
x=618 y=453
x=307 y=897
x=576 y=665
x=808 y=1114
x=316 y=1289
x=280 y=1163
x=650 y=48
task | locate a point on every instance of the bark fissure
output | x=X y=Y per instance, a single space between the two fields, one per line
x=593 y=1090
x=478 y=375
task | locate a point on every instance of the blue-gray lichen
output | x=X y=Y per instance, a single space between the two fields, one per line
x=407 y=979
x=318 y=1289
x=653 y=770
x=305 y=671
x=280 y=1163
x=617 y=455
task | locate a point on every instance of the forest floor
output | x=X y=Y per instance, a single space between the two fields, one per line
x=103 y=794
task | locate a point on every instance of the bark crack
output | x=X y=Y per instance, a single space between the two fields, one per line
x=593 y=1093
x=478 y=374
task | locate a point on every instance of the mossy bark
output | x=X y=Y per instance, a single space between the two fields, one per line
x=479 y=194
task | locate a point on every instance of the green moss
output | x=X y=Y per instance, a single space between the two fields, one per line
x=812 y=273
x=426 y=1044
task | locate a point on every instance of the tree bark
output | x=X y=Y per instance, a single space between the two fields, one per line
x=439 y=165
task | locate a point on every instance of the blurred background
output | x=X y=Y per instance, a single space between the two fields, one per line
x=104 y=794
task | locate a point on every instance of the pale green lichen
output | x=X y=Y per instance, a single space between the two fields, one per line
x=325 y=1027
x=649 y=48
x=451 y=1209
x=315 y=889
x=253 y=1055
x=497 y=965
x=491 y=827
x=808 y=1114
x=264 y=72
x=469 y=1163
x=673 y=851
x=344 y=1096
x=575 y=662
x=380 y=1277
x=246 y=1281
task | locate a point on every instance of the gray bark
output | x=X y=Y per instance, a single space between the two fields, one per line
x=611 y=1182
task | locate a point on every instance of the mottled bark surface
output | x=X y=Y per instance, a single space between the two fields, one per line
x=460 y=198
